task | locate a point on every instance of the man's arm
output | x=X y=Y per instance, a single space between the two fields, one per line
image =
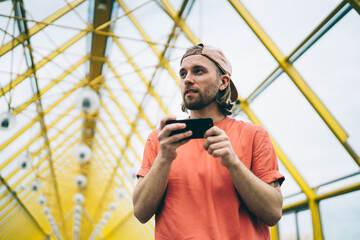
x=149 y=192
x=262 y=199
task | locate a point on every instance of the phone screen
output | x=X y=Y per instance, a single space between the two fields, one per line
x=198 y=126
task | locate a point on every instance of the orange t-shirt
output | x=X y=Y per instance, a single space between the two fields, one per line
x=201 y=201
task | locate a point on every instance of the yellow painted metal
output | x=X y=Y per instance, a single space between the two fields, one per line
x=294 y=76
x=313 y=204
x=337 y=192
x=64 y=96
x=98 y=42
x=103 y=168
x=142 y=77
x=118 y=164
x=143 y=115
x=26 y=146
x=112 y=172
x=111 y=151
x=180 y=22
x=21 y=131
x=40 y=162
x=128 y=228
x=104 y=157
x=39 y=26
x=52 y=84
x=274 y=232
x=22 y=107
x=18 y=209
x=110 y=182
x=355 y=4
x=125 y=115
x=41 y=63
x=296 y=205
x=122 y=134
x=162 y=61
x=12 y=232
x=316 y=219
x=281 y=155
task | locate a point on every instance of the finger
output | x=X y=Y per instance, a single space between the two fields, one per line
x=214 y=139
x=165 y=132
x=163 y=121
x=213 y=131
x=216 y=146
x=180 y=136
x=181 y=142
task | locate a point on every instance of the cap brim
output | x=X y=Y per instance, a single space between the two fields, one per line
x=234 y=93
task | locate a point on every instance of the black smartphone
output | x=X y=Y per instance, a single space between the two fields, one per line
x=198 y=126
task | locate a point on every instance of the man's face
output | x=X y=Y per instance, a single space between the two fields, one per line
x=199 y=82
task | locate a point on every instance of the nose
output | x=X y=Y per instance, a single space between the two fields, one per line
x=188 y=80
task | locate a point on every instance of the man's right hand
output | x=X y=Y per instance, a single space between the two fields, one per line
x=169 y=144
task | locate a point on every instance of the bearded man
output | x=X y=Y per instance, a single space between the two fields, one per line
x=223 y=186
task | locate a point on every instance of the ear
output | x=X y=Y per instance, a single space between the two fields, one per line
x=224 y=82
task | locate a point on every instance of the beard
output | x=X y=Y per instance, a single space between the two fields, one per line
x=204 y=98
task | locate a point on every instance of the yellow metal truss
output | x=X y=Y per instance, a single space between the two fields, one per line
x=112 y=158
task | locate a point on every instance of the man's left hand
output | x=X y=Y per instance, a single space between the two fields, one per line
x=217 y=144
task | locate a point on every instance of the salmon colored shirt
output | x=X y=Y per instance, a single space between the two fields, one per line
x=201 y=201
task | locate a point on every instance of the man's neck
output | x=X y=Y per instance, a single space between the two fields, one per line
x=211 y=111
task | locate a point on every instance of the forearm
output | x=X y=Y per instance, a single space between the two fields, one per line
x=262 y=199
x=150 y=190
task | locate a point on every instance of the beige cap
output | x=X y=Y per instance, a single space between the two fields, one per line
x=218 y=57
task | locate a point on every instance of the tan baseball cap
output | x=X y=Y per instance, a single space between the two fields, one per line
x=218 y=57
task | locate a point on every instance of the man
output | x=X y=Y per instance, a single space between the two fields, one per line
x=225 y=186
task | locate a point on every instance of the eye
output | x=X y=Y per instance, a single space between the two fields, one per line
x=182 y=74
x=198 y=71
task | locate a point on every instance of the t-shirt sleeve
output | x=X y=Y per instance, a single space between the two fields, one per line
x=264 y=163
x=150 y=152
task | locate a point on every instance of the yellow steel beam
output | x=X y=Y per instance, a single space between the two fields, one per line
x=319 y=197
x=274 y=232
x=112 y=97
x=104 y=158
x=115 y=157
x=296 y=205
x=355 y=4
x=129 y=93
x=122 y=134
x=319 y=107
x=35 y=97
x=313 y=204
x=39 y=26
x=316 y=219
x=110 y=181
x=21 y=131
x=8 y=188
x=29 y=125
x=42 y=160
x=104 y=168
x=24 y=197
x=337 y=192
x=281 y=155
x=162 y=61
x=180 y=22
x=38 y=136
x=98 y=42
x=142 y=77
x=52 y=84
x=40 y=64
x=110 y=149
x=8 y=212
x=10 y=231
